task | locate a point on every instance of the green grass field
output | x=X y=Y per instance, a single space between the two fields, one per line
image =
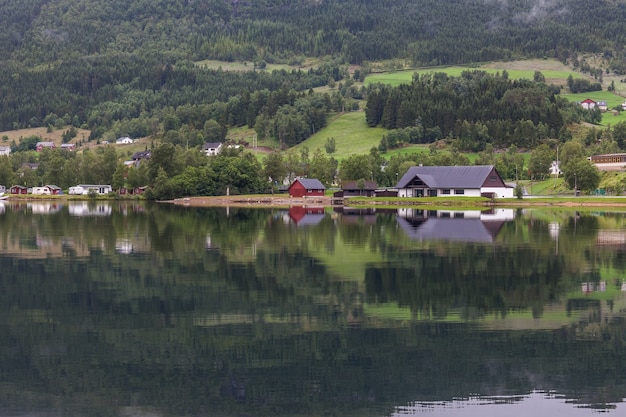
x=351 y=133
x=612 y=100
x=405 y=77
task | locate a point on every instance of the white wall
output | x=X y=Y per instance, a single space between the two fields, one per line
x=499 y=191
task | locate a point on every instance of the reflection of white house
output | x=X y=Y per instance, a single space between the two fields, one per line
x=124 y=246
x=44 y=207
x=453 y=181
x=212 y=148
x=124 y=140
x=85 y=189
x=88 y=209
x=451 y=225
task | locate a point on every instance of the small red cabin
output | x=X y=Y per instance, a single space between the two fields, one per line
x=306 y=187
x=19 y=189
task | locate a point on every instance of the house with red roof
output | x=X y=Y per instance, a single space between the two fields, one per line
x=588 y=104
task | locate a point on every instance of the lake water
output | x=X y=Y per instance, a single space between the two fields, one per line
x=154 y=310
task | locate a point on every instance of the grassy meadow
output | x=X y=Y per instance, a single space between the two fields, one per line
x=612 y=100
x=405 y=77
x=351 y=133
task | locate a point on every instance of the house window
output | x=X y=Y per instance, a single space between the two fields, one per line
x=459 y=192
x=445 y=191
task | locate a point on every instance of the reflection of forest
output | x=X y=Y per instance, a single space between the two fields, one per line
x=202 y=311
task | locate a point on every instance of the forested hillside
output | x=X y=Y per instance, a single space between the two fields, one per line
x=132 y=68
x=95 y=62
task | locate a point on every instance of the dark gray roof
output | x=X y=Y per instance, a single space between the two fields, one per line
x=310 y=220
x=448 y=176
x=354 y=185
x=211 y=145
x=449 y=229
x=311 y=183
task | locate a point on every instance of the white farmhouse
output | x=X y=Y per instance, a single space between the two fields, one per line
x=453 y=181
x=124 y=140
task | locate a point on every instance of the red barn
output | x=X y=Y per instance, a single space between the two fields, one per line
x=306 y=187
x=19 y=189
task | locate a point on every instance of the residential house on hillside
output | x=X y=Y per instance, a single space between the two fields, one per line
x=451 y=181
x=602 y=105
x=42 y=145
x=124 y=140
x=137 y=157
x=5 y=150
x=212 y=148
x=609 y=162
x=555 y=168
x=588 y=104
x=306 y=187
x=68 y=147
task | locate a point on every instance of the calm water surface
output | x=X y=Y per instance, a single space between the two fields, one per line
x=144 y=310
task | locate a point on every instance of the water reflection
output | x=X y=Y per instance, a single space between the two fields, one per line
x=466 y=226
x=126 y=308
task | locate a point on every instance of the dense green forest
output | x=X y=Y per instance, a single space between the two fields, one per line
x=100 y=61
x=123 y=68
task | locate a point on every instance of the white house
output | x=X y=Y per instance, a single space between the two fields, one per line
x=85 y=189
x=588 y=104
x=124 y=140
x=5 y=150
x=555 y=168
x=453 y=181
x=212 y=148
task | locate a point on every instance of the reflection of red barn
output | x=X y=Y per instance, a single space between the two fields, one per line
x=19 y=189
x=306 y=187
x=303 y=216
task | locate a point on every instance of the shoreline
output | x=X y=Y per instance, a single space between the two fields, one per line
x=282 y=201
x=285 y=201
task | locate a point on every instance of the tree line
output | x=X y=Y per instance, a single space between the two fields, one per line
x=475 y=109
x=133 y=63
